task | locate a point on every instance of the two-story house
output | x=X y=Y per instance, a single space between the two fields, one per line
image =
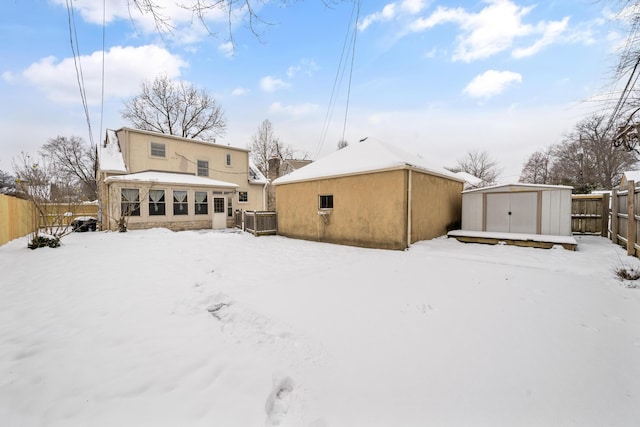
x=157 y=180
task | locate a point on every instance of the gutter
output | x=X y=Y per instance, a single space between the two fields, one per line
x=409 y=205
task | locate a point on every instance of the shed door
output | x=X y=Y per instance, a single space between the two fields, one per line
x=512 y=212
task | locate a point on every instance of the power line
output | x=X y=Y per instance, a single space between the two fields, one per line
x=75 y=49
x=349 y=42
x=104 y=31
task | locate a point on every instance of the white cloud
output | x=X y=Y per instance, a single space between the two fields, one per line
x=305 y=66
x=239 y=91
x=227 y=49
x=551 y=31
x=8 y=76
x=494 y=29
x=271 y=84
x=125 y=69
x=293 y=110
x=387 y=13
x=491 y=83
x=413 y=6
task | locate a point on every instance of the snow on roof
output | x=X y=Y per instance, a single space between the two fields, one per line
x=109 y=154
x=363 y=157
x=170 y=178
x=632 y=176
x=470 y=179
x=521 y=184
x=255 y=176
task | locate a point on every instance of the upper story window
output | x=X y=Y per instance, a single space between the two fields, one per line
x=228 y=163
x=326 y=201
x=158 y=149
x=203 y=168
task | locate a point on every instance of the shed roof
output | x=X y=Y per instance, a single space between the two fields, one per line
x=520 y=184
x=170 y=178
x=361 y=158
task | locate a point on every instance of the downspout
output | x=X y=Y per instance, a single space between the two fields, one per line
x=409 y=210
x=264 y=196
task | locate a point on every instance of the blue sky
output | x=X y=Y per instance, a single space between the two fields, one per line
x=437 y=78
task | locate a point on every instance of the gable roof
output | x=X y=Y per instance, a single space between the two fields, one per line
x=361 y=158
x=109 y=155
x=255 y=176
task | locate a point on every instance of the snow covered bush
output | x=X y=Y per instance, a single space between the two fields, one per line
x=629 y=275
x=44 y=240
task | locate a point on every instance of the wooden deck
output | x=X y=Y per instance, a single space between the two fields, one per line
x=527 y=240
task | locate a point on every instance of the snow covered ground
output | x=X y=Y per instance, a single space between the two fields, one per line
x=155 y=328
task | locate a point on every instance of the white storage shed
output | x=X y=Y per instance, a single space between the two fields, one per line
x=518 y=208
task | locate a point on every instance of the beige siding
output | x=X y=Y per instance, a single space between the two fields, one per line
x=191 y=221
x=181 y=156
x=369 y=210
x=436 y=206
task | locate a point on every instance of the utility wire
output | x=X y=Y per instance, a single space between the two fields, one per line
x=75 y=49
x=353 y=56
x=104 y=31
x=348 y=41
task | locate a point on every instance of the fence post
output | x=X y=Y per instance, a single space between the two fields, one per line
x=614 y=216
x=631 y=219
x=605 y=215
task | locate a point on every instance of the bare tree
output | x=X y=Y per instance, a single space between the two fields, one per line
x=479 y=164
x=537 y=170
x=342 y=144
x=266 y=146
x=200 y=9
x=37 y=179
x=627 y=72
x=175 y=108
x=6 y=180
x=587 y=158
x=74 y=163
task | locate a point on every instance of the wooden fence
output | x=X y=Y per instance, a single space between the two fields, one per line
x=259 y=223
x=625 y=218
x=16 y=218
x=64 y=213
x=590 y=214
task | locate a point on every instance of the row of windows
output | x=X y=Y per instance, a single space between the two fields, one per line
x=160 y=150
x=130 y=202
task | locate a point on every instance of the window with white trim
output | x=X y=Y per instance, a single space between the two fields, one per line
x=130 y=202
x=203 y=168
x=326 y=201
x=180 y=203
x=158 y=150
x=202 y=207
x=218 y=205
x=156 y=202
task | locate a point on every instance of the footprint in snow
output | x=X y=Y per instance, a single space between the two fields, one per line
x=279 y=400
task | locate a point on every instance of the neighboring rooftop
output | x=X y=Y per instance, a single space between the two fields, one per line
x=363 y=157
